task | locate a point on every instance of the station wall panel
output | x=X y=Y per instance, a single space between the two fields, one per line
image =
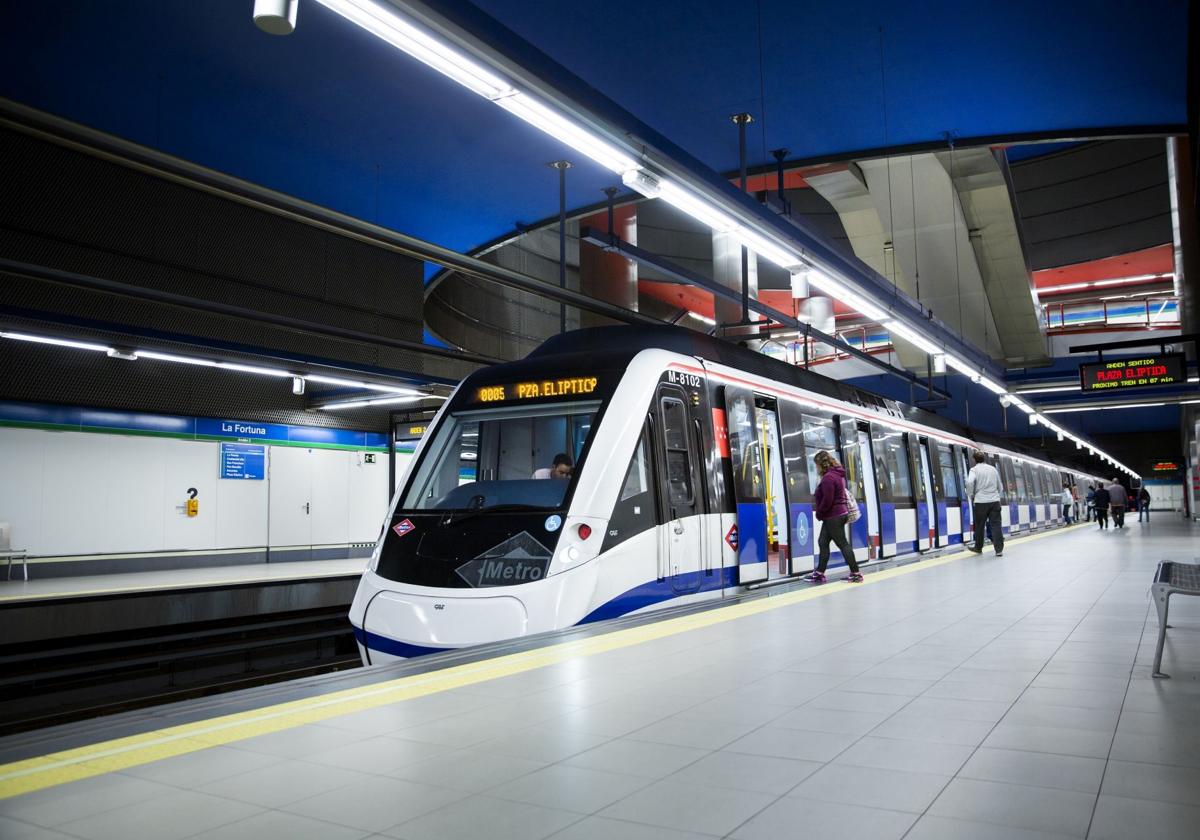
x=71 y=494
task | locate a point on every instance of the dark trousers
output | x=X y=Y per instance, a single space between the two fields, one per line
x=988 y=512
x=1067 y=513
x=1118 y=516
x=1102 y=516
x=834 y=529
x=1144 y=508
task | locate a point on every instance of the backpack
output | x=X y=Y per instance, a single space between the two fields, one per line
x=852 y=512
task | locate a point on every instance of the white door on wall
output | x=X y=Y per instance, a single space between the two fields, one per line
x=290 y=507
x=330 y=496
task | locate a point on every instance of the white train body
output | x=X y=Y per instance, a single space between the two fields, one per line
x=692 y=481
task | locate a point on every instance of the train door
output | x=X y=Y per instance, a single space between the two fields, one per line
x=1009 y=516
x=682 y=545
x=858 y=452
x=766 y=419
x=897 y=506
x=749 y=535
x=963 y=461
x=928 y=496
x=951 y=492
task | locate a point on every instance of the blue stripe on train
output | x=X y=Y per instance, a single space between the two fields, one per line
x=804 y=544
x=392 y=647
x=888 y=528
x=922 y=525
x=657 y=591
x=943 y=524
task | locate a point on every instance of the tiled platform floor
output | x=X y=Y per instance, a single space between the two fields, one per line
x=984 y=699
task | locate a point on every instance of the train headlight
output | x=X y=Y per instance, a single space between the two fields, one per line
x=573 y=553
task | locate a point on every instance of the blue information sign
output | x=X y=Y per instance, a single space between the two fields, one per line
x=243 y=460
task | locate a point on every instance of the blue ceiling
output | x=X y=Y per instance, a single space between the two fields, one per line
x=334 y=116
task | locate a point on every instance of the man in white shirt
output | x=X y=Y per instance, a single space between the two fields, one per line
x=561 y=468
x=983 y=489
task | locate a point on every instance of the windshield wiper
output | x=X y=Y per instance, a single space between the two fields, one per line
x=457 y=516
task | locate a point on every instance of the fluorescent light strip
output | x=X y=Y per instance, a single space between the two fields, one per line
x=558 y=127
x=354 y=383
x=57 y=342
x=919 y=341
x=380 y=401
x=1105 y=407
x=384 y=23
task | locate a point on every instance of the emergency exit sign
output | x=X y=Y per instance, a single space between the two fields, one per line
x=1137 y=373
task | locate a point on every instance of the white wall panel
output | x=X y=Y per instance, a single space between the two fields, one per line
x=22 y=472
x=74 y=493
x=190 y=464
x=330 y=496
x=242 y=510
x=133 y=496
x=368 y=497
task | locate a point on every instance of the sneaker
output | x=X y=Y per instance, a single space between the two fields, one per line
x=999 y=553
x=974 y=550
x=855 y=578
x=816 y=577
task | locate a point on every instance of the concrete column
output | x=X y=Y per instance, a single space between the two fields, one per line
x=609 y=276
x=727 y=270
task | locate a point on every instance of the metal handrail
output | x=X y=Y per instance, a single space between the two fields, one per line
x=1147 y=312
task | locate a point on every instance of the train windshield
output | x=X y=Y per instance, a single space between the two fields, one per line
x=514 y=458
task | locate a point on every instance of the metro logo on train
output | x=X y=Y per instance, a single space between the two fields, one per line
x=1142 y=372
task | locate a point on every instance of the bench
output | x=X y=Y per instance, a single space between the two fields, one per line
x=1170 y=579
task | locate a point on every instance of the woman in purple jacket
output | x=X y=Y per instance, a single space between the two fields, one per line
x=829 y=505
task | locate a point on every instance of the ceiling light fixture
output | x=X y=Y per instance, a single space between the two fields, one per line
x=380 y=401
x=57 y=342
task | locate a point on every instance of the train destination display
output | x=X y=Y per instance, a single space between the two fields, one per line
x=574 y=387
x=1140 y=372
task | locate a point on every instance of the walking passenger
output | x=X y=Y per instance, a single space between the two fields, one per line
x=1068 y=502
x=1091 y=500
x=832 y=508
x=983 y=489
x=1100 y=501
x=1143 y=503
x=1116 y=501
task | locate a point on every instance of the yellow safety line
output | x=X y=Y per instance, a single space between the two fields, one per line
x=71 y=765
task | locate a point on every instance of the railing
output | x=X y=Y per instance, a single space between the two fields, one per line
x=792 y=351
x=1091 y=314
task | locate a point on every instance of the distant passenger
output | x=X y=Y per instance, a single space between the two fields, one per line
x=561 y=468
x=1100 y=502
x=1116 y=501
x=1143 y=503
x=1091 y=501
x=983 y=489
x=831 y=506
x=1068 y=503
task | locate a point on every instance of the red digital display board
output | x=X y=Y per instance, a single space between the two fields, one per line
x=1142 y=372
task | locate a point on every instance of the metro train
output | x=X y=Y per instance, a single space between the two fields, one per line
x=691 y=478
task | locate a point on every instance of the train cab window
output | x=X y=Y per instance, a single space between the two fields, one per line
x=497 y=457
x=675 y=447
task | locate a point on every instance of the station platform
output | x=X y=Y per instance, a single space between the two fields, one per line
x=965 y=697
x=130 y=583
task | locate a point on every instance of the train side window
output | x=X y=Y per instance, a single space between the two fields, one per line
x=818 y=435
x=949 y=480
x=678 y=457
x=638 y=476
x=893 y=457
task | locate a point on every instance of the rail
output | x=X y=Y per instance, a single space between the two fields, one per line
x=1151 y=312
x=868 y=339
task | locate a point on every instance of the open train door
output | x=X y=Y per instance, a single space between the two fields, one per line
x=749 y=534
x=859 y=463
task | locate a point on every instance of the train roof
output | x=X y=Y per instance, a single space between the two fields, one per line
x=615 y=346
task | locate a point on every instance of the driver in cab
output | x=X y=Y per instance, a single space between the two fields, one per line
x=561 y=468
